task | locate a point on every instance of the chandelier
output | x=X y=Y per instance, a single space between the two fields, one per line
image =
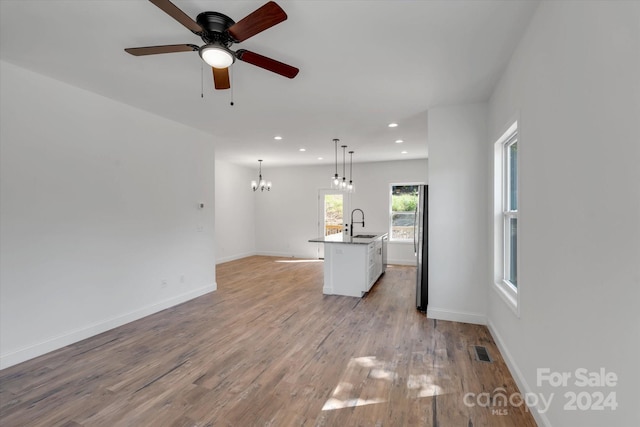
x=261 y=183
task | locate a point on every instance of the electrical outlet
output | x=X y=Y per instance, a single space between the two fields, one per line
x=163 y=283
x=182 y=278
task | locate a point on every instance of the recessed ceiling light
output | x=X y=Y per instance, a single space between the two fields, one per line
x=320 y=158
x=399 y=141
x=277 y=138
x=403 y=152
x=303 y=149
x=393 y=125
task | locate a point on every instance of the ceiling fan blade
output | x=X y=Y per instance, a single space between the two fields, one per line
x=257 y=21
x=154 y=50
x=177 y=14
x=221 y=78
x=267 y=63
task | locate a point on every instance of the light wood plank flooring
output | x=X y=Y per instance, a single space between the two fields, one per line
x=269 y=349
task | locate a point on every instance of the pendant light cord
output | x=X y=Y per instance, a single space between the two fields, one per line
x=350 y=165
x=336 y=144
x=344 y=175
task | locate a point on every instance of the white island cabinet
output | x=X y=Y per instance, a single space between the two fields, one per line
x=352 y=264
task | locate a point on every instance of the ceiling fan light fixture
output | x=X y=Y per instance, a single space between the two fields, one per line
x=217 y=55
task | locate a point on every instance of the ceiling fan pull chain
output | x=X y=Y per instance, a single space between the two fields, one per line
x=231 y=78
x=201 y=80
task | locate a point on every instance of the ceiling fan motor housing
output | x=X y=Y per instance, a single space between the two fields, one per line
x=215 y=27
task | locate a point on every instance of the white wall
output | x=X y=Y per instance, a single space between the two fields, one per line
x=287 y=216
x=574 y=81
x=458 y=195
x=235 y=212
x=98 y=206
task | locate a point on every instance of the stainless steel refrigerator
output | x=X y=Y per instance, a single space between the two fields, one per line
x=421 y=247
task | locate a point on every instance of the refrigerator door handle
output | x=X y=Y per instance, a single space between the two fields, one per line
x=415 y=231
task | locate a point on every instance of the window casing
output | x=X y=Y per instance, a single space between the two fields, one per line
x=506 y=197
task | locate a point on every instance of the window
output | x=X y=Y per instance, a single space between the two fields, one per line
x=506 y=192
x=511 y=210
x=403 y=201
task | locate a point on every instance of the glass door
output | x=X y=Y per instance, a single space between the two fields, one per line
x=332 y=208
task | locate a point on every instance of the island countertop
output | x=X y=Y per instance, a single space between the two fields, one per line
x=355 y=240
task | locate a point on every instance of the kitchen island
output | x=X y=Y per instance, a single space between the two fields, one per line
x=353 y=264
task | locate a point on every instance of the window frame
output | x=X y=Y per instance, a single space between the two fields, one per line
x=504 y=213
x=399 y=184
x=508 y=212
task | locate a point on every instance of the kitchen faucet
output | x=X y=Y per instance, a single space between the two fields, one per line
x=359 y=222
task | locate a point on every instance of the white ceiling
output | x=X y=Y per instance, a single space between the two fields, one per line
x=363 y=64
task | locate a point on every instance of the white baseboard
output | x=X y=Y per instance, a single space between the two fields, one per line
x=541 y=418
x=456 y=316
x=286 y=255
x=55 y=343
x=273 y=254
x=234 y=257
x=411 y=263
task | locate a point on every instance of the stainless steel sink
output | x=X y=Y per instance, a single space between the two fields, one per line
x=365 y=236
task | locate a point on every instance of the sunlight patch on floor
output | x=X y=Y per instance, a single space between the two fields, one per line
x=299 y=260
x=373 y=377
x=424 y=386
x=332 y=403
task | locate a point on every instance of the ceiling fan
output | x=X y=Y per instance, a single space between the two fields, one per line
x=219 y=32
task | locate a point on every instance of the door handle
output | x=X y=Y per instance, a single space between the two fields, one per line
x=415 y=231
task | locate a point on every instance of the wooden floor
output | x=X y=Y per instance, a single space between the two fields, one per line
x=269 y=349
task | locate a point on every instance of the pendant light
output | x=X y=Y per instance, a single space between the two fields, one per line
x=350 y=187
x=335 y=181
x=343 y=183
x=261 y=183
